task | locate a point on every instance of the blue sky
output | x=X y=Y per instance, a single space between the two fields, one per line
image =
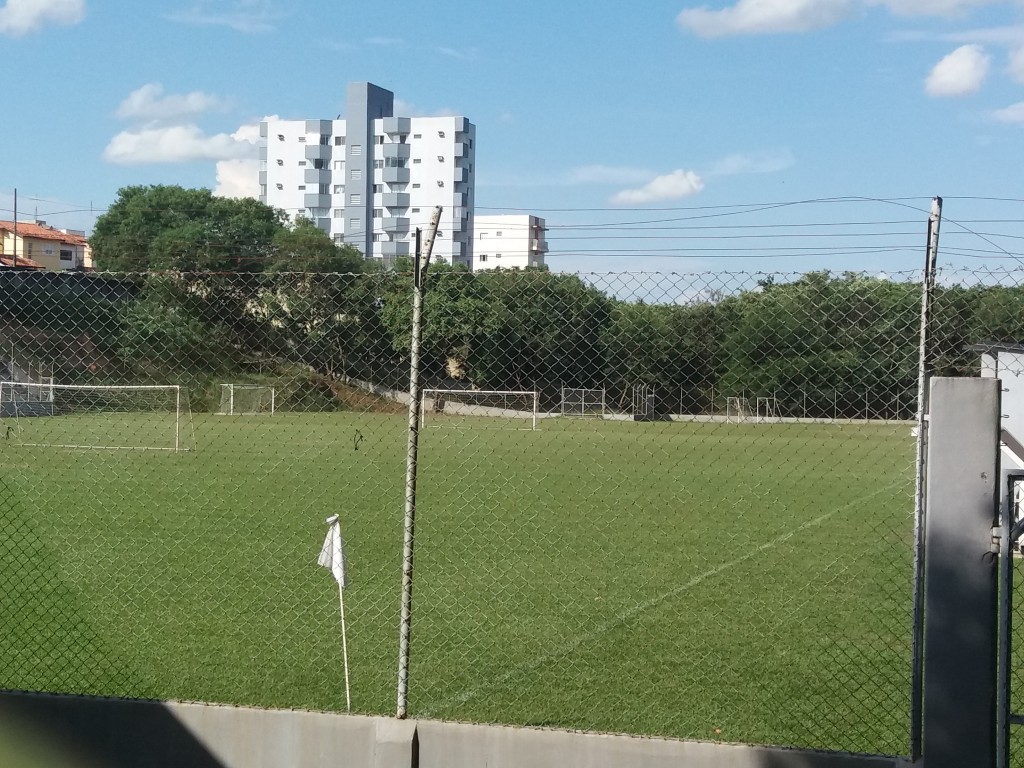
x=592 y=115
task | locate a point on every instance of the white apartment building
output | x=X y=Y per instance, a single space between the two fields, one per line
x=370 y=178
x=514 y=241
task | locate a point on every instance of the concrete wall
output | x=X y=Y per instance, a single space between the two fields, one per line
x=42 y=731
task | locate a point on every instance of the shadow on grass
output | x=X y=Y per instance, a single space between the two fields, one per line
x=48 y=644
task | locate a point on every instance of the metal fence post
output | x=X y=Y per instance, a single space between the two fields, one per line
x=960 y=573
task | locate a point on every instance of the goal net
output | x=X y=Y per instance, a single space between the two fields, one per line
x=738 y=410
x=153 y=418
x=246 y=400
x=494 y=409
x=582 y=402
x=767 y=410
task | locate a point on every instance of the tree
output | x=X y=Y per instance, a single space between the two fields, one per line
x=305 y=247
x=173 y=228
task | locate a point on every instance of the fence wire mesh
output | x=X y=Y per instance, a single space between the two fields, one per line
x=661 y=504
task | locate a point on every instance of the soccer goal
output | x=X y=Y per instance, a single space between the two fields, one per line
x=738 y=410
x=494 y=409
x=150 y=418
x=766 y=410
x=583 y=402
x=247 y=400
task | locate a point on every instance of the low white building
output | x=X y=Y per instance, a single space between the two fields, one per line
x=509 y=241
x=370 y=178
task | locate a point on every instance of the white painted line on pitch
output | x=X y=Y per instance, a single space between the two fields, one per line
x=635 y=610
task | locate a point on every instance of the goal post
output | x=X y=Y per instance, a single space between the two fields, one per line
x=247 y=400
x=490 y=408
x=583 y=402
x=131 y=417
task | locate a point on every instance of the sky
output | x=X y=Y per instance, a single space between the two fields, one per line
x=674 y=135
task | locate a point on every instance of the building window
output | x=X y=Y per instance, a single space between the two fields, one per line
x=280 y=186
x=380 y=139
x=356 y=150
x=339 y=141
x=302 y=162
x=417 y=135
x=302 y=139
x=415 y=210
x=378 y=188
x=440 y=134
x=339 y=213
x=415 y=186
x=378 y=213
x=378 y=164
x=339 y=165
x=440 y=158
x=440 y=183
x=498 y=233
x=324 y=140
x=339 y=238
x=483 y=257
x=339 y=189
x=302 y=186
x=323 y=189
x=355 y=199
x=280 y=137
x=319 y=164
x=416 y=161
x=356 y=174
x=280 y=162
x=378 y=238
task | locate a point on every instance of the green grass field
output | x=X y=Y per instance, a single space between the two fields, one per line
x=733 y=582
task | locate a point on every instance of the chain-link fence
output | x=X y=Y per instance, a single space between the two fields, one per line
x=662 y=504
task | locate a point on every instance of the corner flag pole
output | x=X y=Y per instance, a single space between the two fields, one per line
x=332 y=556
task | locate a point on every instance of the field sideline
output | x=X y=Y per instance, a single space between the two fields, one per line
x=700 y=580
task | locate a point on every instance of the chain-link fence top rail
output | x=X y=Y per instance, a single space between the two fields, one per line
x=718 y=544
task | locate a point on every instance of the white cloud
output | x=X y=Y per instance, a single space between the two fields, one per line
x=238 y=178
x=249 y=16
x=932 y=7
x=469 y=54
x=149 y=103
x=1016 y=68
x=758 y=17
x=19 y=17
x=1011 y=114
x=757 y=162
x=961 y=73
x=606 y=174
x=172 y=144
x=671 y=186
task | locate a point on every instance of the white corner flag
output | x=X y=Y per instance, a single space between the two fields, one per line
x=332 y=556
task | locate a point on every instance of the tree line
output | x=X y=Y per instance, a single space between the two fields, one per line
x=202 y=289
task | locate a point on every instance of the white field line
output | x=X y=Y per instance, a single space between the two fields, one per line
x=623 y=616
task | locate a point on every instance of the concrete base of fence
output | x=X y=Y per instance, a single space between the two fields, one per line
x=42 y=731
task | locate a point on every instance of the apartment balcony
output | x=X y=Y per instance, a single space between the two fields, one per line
x=397 y=225
x=395 y=150
x=318 y=152
x=395 y=175
x=458 y=248
x=461 y=175
x=539 y=245
x=263 y=178
x=317 y=176
x=461 y=149
x=395 y=199
x=316 y=201
x=393 y=125
x=398 y=248
x=460 y=199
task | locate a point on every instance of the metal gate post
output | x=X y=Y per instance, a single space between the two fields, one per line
x=960 y=628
